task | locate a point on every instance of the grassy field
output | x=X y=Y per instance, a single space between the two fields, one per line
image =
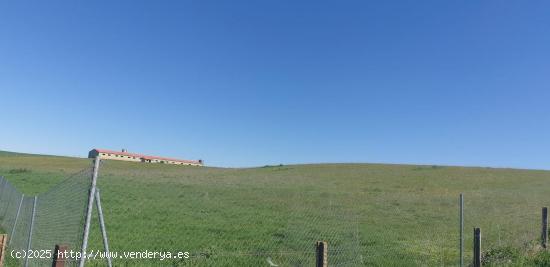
x=371 y=214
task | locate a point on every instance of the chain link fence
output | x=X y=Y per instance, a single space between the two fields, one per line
x=223 y=222
x=228 y=223
x=258 y=230
x=421 y=232
x=58 y=218
x=510 y=224
x=233 y=225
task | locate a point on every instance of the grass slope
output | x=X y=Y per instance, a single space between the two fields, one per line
x=404 y=215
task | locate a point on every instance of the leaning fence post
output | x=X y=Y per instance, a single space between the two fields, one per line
x=544 y=233
x=321 y=248
x=461 y=213
x=89 y=212
x=102 y=226
x=477 y=247
x=10 y=238
x=30 y=231
x=60 y=255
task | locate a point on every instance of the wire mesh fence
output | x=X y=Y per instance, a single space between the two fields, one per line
x=426 y=232
x=58 y=219
x=225 y=223
x=252 y=221
x=259 y=230
x=510 y=225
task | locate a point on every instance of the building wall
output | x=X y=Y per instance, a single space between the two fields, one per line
x=118 y=157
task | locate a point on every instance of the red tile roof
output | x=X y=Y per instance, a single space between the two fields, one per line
x=144 y=156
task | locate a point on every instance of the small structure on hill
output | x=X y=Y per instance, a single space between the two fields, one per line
x=126 y=156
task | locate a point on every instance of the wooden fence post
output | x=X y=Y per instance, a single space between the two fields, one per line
x=3 y=241
x=321 y=248
x=59 y=256
x=544 y=233
x=477 y=247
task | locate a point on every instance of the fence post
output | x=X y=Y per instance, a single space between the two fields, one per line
x=321 y=248
x=8 y=202
x=3 y=239
x=461 y=213
x=59 y=256
x=10 y=238
x=30 y=231
x=89 y=212
x=477 y=247
x=2 y=182
x=544 y=233
x=103 y=229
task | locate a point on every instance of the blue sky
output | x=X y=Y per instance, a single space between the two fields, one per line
x=249 y=83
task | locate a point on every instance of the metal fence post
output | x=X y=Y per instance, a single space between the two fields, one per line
x=8 y=202
x=30 y=231
x=89 y=212
x=544 y=233
x=477 y=247
x=103 y=229
x=10 y=238
x=2 y=183
x=461 y=203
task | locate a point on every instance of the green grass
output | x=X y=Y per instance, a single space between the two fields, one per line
x=404 y=215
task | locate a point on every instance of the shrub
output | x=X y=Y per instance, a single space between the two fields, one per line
x=501 y=256
x=18 y=171
x=542 y=259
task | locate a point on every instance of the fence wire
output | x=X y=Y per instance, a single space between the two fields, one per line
x=510 y=228
x=233 y=223
x=58 y=219
x=262 y=230
x=409 y=234
x=227 y=223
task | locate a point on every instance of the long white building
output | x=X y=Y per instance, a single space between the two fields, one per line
x=126 y=156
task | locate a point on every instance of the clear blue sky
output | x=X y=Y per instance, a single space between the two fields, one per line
x=248 y=83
